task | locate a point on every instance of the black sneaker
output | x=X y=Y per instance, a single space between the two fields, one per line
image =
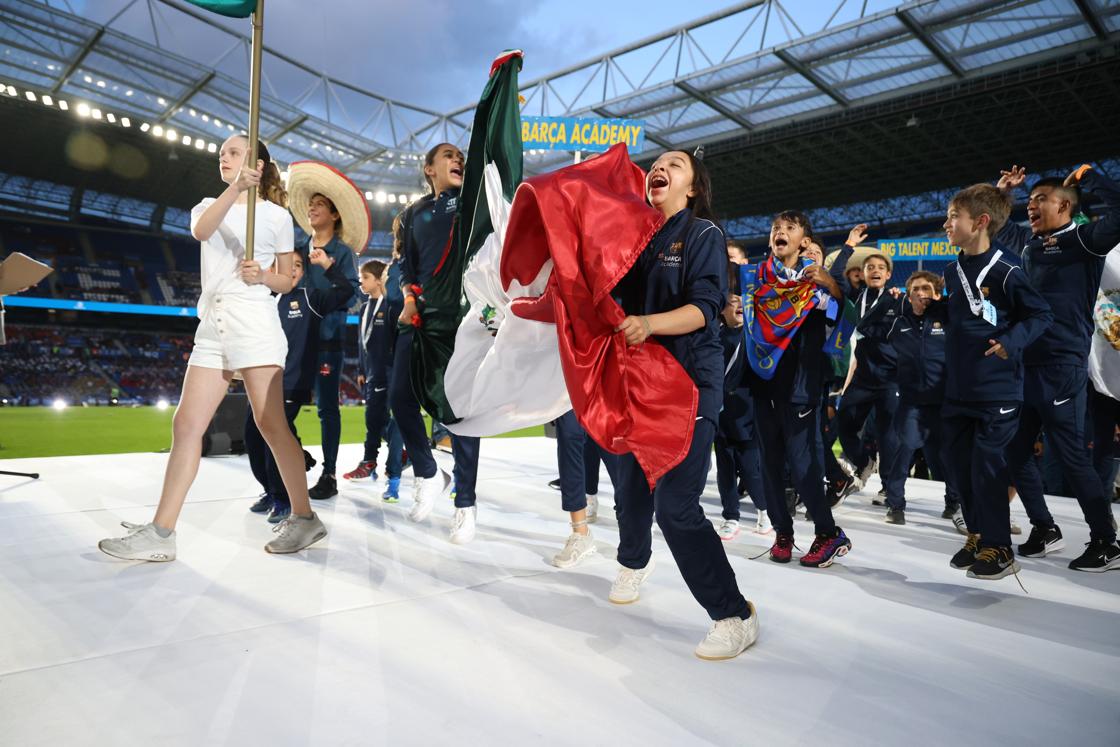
x=263 y=504
x=308 y=461
x=841 y=489
x=880 y=498
x=1099 y=556
x=950 y=510
x=1042 y=542
x=966 y=556
x=325 y=488
x=993 y=563
x=554 y=484
x=792 y=499
x=896 y=516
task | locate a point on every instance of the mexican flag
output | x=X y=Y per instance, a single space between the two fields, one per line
x=462 y=311
x=1104 y=360
x=230 y=8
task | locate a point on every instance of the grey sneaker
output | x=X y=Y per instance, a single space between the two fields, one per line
x=295 y=533
x=592 y=509
x=141 y=543
x=624 y=590
x=578 y=547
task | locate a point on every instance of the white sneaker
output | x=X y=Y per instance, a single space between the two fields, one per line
x=592 y=509
x=729 y=637
x=425 y=491
x=1015 y=528
x=762 y=524
x=578 y=547
x=462 y=527
x=958 y=522
x=141 y=543
x=728 y=530
x=624 y=590
x=866 y=473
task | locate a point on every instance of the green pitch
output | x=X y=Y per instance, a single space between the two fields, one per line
x=44 y=432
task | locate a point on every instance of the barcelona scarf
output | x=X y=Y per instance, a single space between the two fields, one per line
x=776 y=301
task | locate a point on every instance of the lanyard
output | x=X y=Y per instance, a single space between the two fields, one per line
x=974 y=303
x=368 y=316
x=734 y=357
x=863 y=302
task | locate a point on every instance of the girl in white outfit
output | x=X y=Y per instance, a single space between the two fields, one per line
x=238 y=331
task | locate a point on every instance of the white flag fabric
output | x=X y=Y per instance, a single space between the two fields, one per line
x=510 y=380
x=1104 y=360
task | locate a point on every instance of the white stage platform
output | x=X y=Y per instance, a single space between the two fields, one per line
x=386 y=633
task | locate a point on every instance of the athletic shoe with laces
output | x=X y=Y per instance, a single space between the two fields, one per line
x=728 y=529
x=896 y=516
x=425 y=491
x=554 y=484
x=363 y=471
x=959 y=523
x=993 y=563
x=880 y=498
x=826 y=549
x=839 y=490
x=951 y=510
x=782 y=549
x=1099 y=556
x=966 y=556
x=392 y=490
x=280 y=511
x=263 y=504
x=1042 y=541
x=624 y=590
x=868 y=470
x=762 y=523
x=296 y=533
x=327 y=487
x=578 y=547
x=463 y=525
x=308 y=461
x=729 y=637
x=1015 y=528
x=141 y=543
x=592 y=509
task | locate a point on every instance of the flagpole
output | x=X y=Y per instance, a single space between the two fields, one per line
x=254 y=121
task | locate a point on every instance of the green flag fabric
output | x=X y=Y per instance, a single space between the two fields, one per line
x=230 y=8
x=495 y=138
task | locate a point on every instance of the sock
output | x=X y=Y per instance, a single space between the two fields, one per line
x=164 y=533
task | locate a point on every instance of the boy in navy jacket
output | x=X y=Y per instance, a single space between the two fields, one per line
x=377 y=335
x=786 y=406
x=917 y=335
x=301 y=312
x=1063 y=261
x=994 y=314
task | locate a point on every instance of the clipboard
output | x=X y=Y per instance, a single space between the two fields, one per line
x=19 y=271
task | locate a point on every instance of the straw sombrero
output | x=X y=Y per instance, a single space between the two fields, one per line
x=306 y=178
x=856 y=260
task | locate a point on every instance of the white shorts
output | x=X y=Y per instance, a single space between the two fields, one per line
x=237 y=332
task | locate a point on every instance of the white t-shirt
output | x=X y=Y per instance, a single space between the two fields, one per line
x=223 y=252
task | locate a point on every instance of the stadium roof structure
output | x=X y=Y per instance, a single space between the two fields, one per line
x=876 y=99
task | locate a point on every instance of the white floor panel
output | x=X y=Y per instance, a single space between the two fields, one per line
x=386 y=632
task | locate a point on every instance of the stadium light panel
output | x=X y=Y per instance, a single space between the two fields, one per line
x=100 y=84
x=111 y=117
x=145 y=127
x=87 y=79
x=413 y=197
x=128 y=92
x=59 y=404
x=393 y=199
x=30 y=95
x=403 y=199
x=12 y=91
x=200 y=144
x=83 y=109
x=162 y=404
x=157 y=131
x=95 y=113
x=381 y=198
x=205 y=117
x=212 y=148
x=47 y=100
x=193 y=113
x=63 y=105
x=369 y=195
x=162 y=101
x=186 y=140
x=172 y=135
x=126 y=122
x=217 y=122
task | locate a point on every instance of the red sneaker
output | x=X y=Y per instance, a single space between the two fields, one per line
x=826 y=549
x=782 y=549
x=361 y=472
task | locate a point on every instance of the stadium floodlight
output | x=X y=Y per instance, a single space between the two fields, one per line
x=87 y=79
x=162 y=404
x=162 y=101
x=96 y=113
x=144 y=127
x=47 y=100
x=30 y=95
x=413 y=197
x=111 y=117
x=186 y=140
x=205 y=117
x=100 y=84
x=126 y=122
x=4 y=401
x=369 y=195
x=63 y=105
x=172 y=135
x=193 y=113
x=200 y=144
x=381 y=198
x=403 y=199
x=59 y=404
x=83 y=109
x=212 y=148
x=12 y=91
x=217 y=122
x=157 y=130
x=393 y=199
x=128 y=92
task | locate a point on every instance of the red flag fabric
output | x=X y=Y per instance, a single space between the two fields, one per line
x=592 y=221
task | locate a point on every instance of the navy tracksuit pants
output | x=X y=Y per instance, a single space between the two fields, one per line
x=577 y=459
x=692 y=539
x=855 y=406
x=976 y=440
x=918 y=427
x=406 y=411
x=261 y=461
x=735 y=460
x=789 y=435
x=1054 y=402
x=377 y=417
x=326 y=399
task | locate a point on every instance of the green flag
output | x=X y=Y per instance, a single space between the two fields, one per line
x=495 y=138
x=231 y=8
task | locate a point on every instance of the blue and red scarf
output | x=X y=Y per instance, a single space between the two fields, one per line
x=776 y=301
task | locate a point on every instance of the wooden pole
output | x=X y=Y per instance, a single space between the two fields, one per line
x=254 y=120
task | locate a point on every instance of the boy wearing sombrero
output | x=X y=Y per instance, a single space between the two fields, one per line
x=334 y=213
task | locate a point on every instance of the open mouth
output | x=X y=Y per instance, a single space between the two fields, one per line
x=1033 y=217
x=781 y=242
x=457 y=171
x=658 y=181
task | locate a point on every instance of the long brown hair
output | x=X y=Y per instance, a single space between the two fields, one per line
x=272 y=186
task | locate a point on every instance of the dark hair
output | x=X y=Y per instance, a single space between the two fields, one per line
x=430 y=158
x=797 y=218
x=700 y=203
x=330 y=204
x=738 y=245
x=984 y=198
x=1073 y=194
x=733 y=279
x=272 y=186
x=936 y=280
x=373 y=267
